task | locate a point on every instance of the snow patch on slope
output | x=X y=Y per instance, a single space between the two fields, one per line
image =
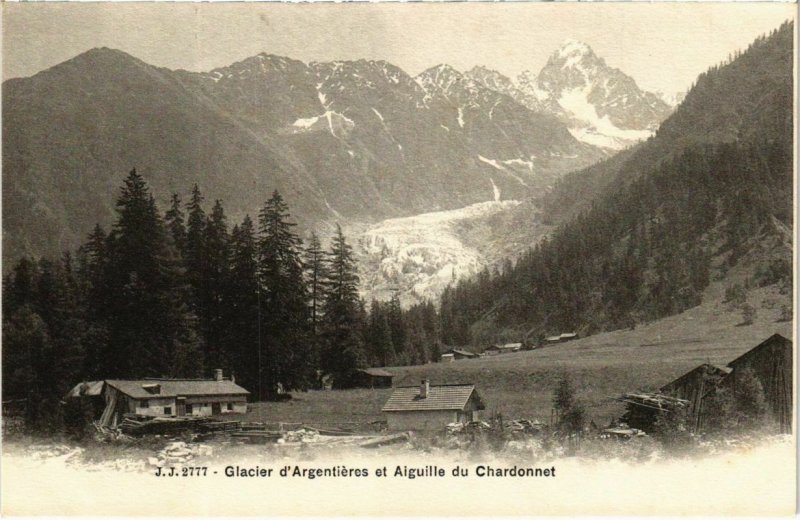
x=590 y=128
x=337 y=124
x=495 y=190
x=492 y=162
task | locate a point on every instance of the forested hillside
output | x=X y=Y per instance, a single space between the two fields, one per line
x=711 y=191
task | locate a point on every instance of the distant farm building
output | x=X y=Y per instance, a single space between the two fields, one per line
x=770 y=363
x=493 y=350
x=373 y=378
x=448 y=358
x=426 y=407
x=163 y=397
x=561 y=338
x=459 y=354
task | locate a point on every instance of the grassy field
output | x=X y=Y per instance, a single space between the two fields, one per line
x=520 y=385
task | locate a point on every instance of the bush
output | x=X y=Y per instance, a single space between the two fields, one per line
x=786 y=313
x=749 y=314
x=735 y=294
x=745 y=409
x=570 y=414
x=673 y=428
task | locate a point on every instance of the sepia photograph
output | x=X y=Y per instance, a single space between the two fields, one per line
x=398 y=259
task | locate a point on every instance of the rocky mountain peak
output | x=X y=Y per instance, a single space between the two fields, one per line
x=600 y=104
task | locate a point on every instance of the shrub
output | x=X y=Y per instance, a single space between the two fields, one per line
x=745 y=409
x=786 y=313
x=570 y=414
x=735 y=294
x=673 y=428
x=749 y=314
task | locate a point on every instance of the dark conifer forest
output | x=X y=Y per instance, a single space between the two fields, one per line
x=181 y=294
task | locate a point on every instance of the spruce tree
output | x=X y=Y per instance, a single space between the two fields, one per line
x=286 y=352
x=342 y=330
x=241 y=338
x=150 y=325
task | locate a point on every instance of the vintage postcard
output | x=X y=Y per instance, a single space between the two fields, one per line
x=398 y=259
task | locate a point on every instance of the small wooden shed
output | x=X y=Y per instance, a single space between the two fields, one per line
x=430 y=408
x=372 y=378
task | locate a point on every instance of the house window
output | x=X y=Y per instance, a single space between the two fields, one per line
x=144 y=403
x=188 y=409
x=167 y=410
x=230 y=407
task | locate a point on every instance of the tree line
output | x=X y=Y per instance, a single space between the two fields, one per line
x=181 y=293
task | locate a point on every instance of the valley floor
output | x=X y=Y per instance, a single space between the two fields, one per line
x=521 y=384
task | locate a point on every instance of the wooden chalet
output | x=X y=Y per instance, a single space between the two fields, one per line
x=163 y=397
x=427 y=407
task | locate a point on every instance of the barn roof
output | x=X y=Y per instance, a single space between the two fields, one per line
x=461 y=352
x=376 y=372
x=176 y=387
x=440 y=397
x=775 y=339
x=705 y=368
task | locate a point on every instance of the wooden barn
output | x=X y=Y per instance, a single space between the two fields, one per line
x=430 y=408
x=561 y=338
x=771 y=362
x=460 y=354
x=164 y=397
x=694 y=386
x=494 y=350
x=373 y=378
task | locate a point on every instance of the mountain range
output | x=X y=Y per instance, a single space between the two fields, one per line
x=346 y=141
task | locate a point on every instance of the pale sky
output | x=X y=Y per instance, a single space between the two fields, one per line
x=663 y=46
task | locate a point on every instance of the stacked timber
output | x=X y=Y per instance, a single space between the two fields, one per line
x=642 y=409
x=143 y=425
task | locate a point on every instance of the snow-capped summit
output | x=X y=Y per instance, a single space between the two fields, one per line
x=443 y=80
x=601 y=105
x=572 y=51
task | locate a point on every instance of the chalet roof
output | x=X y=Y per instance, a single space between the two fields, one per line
x=440 y=397
x=376 y=372
x=86 y=388
x=177 y=387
